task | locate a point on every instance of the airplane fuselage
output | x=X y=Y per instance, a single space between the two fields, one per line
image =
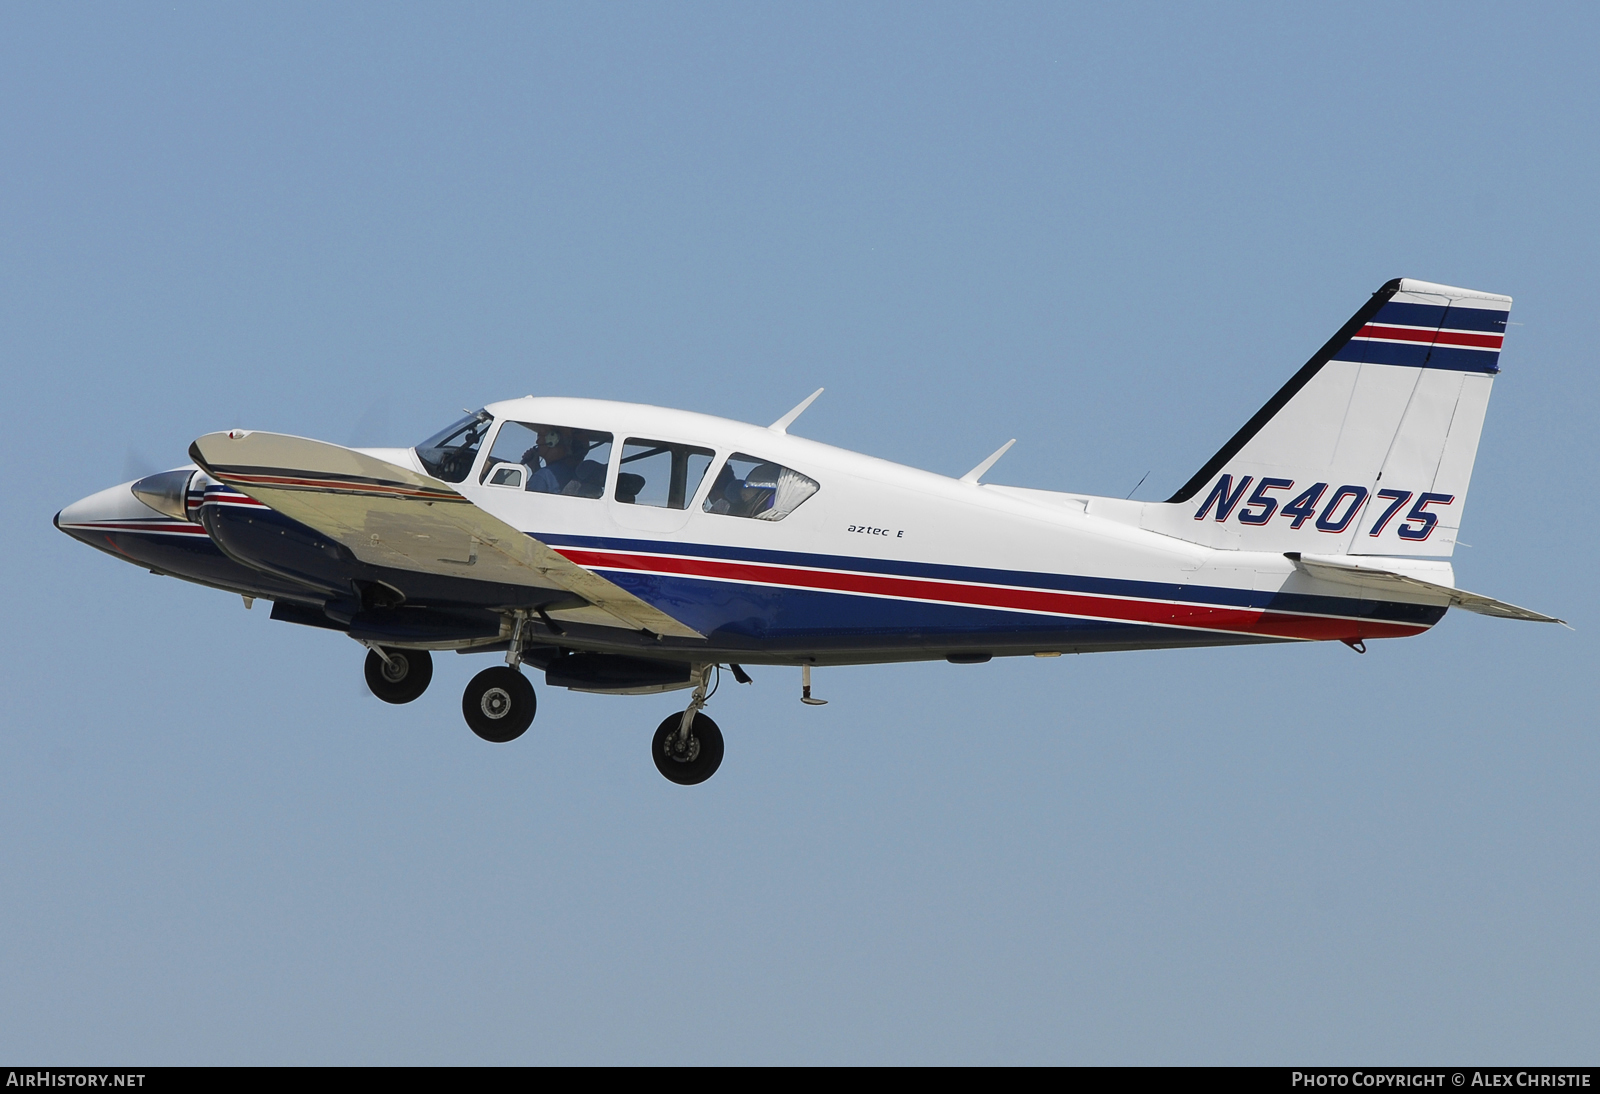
x=883 y=563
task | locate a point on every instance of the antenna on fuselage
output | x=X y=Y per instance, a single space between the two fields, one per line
x=977 y=472
x=782 y=424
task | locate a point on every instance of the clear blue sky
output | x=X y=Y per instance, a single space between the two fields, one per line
x=1110 y=231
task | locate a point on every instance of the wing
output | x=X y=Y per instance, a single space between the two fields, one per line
x=1338 y=568
x=389 y=515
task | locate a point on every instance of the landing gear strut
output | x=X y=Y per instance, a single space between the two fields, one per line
x=687 y=747
x=398 y=676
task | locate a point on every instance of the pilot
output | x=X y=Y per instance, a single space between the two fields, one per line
x=557 y=448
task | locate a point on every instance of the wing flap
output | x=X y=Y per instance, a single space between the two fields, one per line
x=388 y=515
x=1337 y=568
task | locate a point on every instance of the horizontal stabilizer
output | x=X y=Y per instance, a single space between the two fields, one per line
x=389 y=515
x=1343 y=569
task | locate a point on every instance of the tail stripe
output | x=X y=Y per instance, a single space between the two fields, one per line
x=1431 y=336
x=1370 y=351
x=1434 y=316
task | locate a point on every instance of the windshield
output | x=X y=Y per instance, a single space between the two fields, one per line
x=449 y=453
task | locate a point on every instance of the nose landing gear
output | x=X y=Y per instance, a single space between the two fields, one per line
x=398 y=676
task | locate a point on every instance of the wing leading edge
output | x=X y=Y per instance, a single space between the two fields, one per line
x=389 y=515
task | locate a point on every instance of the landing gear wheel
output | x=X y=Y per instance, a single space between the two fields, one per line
x=400 y=679
x=499 y=704
x=691 y=762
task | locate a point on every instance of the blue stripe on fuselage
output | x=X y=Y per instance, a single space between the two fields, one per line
x=765 y=611
x=1024 y=579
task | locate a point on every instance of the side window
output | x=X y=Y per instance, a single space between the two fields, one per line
x=549 y=459
x=660 y=473
x=513 y=475
x=751 y=487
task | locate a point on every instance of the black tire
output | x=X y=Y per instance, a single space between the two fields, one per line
x=499 y=704
x=691 y=765
x=404 y=677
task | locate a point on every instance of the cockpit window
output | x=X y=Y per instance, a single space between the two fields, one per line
x=449 y=453
x=661 y=473
x=549 y=459
x=751 y=487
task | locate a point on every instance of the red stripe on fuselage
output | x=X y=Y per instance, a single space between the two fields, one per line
x=139 y=526
x=1051 y=602
x=1432 y=337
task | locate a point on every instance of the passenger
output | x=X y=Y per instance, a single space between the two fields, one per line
x=755 y=495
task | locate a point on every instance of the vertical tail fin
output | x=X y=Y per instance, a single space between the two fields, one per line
x=1368 y=449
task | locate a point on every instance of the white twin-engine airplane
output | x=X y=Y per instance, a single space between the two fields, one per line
x=629 y=549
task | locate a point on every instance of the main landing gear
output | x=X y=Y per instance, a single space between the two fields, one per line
x=398 y=676
x=499 y=703
x=687 y=747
